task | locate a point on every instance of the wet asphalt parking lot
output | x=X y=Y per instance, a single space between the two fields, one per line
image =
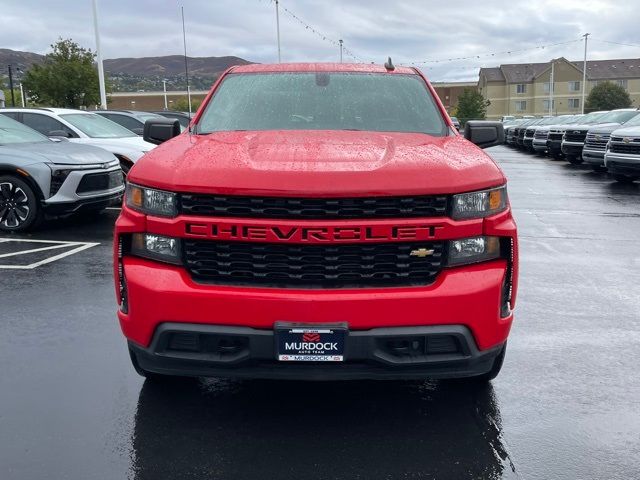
x=566 y=405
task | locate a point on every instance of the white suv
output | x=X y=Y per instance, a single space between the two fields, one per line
x=80 y=126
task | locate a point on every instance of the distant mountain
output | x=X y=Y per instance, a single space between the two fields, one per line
x=22 y=60
x=172 y=65
x=145 y=73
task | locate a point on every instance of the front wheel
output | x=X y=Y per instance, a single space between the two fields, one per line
x=19 y=206
x=599 y=168
x=574 y=160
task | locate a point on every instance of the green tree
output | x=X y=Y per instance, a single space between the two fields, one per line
x=607 y=96
x=471 y=106
x=67 y=77
x=182 y=105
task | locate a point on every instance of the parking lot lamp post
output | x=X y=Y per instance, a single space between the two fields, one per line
x=164 y=89
x=551 y=82
x=584 y=69
x=340 y=41
x=278 y=30
x=103 y=93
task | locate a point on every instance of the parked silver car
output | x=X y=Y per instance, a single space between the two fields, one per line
x=40 y=177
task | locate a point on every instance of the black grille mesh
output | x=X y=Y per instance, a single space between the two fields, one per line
x=313 y=208
x=313 y=266
x=94 y=182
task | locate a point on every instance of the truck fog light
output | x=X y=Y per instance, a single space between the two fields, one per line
x=156 y=247
x=473 y=250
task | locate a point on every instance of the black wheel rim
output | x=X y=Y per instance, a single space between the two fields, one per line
x=14 y=205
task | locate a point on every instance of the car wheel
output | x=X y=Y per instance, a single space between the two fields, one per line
x=19 y=206
x=599 y=168
x=573 y=160
x=624 y=178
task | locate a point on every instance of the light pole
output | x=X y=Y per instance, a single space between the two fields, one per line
x=186 y=67
x=103 y=93
x=551 y=82
x=164 y=89
x=278 y=30
x=584 y=69
x=340 y=41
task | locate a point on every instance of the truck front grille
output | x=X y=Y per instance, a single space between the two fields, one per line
x=628 y=148
x=313 y=208
x=312 y=266
x=575 y=136
x=596 y=141
x=555 y=136
x=541 y=134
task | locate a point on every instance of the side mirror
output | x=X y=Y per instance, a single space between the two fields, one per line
x=58 y=133
x=158 y=130
x=483 y=133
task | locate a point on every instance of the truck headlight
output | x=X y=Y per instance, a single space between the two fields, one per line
x=479 y=204
x=473 y=250
x=156 y=247
x=151 y=201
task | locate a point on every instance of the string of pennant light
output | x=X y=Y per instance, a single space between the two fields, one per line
x=336 y=43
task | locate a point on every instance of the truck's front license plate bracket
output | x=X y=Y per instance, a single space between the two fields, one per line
x=296 y=342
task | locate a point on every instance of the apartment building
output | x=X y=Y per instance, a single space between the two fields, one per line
x=524 y=89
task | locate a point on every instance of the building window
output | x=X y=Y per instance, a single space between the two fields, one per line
x=521 y=88
x=521 y=105
x=547 y=87
x=622 y=83
x=574 y=86
x=574 y=103
x=545 y=105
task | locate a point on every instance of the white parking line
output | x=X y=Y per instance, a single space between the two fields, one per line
x=79 y=246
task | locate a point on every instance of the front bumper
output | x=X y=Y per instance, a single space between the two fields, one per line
x=540 y=145
x=593 y=157
x=92 y=203
x=572 y=149
x=621 y=164
x=369 y=354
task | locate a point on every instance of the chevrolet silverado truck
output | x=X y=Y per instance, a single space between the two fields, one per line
x=317 y=221
x=598 y=136
x=575 y=135
x=541 y=134
x=622 y=156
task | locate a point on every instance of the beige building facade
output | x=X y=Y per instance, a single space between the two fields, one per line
x=525 y=89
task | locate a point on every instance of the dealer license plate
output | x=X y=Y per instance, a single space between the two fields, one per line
x=300 y=343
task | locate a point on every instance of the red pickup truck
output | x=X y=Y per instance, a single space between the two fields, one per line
x=317 y=221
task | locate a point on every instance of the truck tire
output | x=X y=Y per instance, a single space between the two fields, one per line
x=599 y=168
x=574 y=160
x=20 y=208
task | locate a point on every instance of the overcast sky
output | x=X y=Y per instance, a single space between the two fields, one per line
x=408 y=30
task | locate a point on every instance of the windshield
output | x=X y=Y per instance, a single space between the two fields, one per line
x=147 y=116
x=592 y=117
x=12 y=132
x=634 y=122
x=618 y=117
x=378 y=102
x=96 y=126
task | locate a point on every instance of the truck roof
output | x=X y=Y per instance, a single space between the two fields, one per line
x=319 y=67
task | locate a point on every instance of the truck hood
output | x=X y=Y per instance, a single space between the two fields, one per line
x=317 y=163
x=627 y=132
x=62 y=153
x=604 y=128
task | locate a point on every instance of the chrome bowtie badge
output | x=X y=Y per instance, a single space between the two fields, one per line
x=421 y=252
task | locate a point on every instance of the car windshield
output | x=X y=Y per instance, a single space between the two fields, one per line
x=634 y=122
x=618 y=117
x=147 y=116
x=380 y=102
x=12 y=132
x=96 y=126
x=592 y=117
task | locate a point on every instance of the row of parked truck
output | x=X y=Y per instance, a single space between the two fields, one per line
x=605 y=140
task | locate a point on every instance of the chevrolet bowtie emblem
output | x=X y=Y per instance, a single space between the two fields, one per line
x=421 y=252
x=626 y=140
